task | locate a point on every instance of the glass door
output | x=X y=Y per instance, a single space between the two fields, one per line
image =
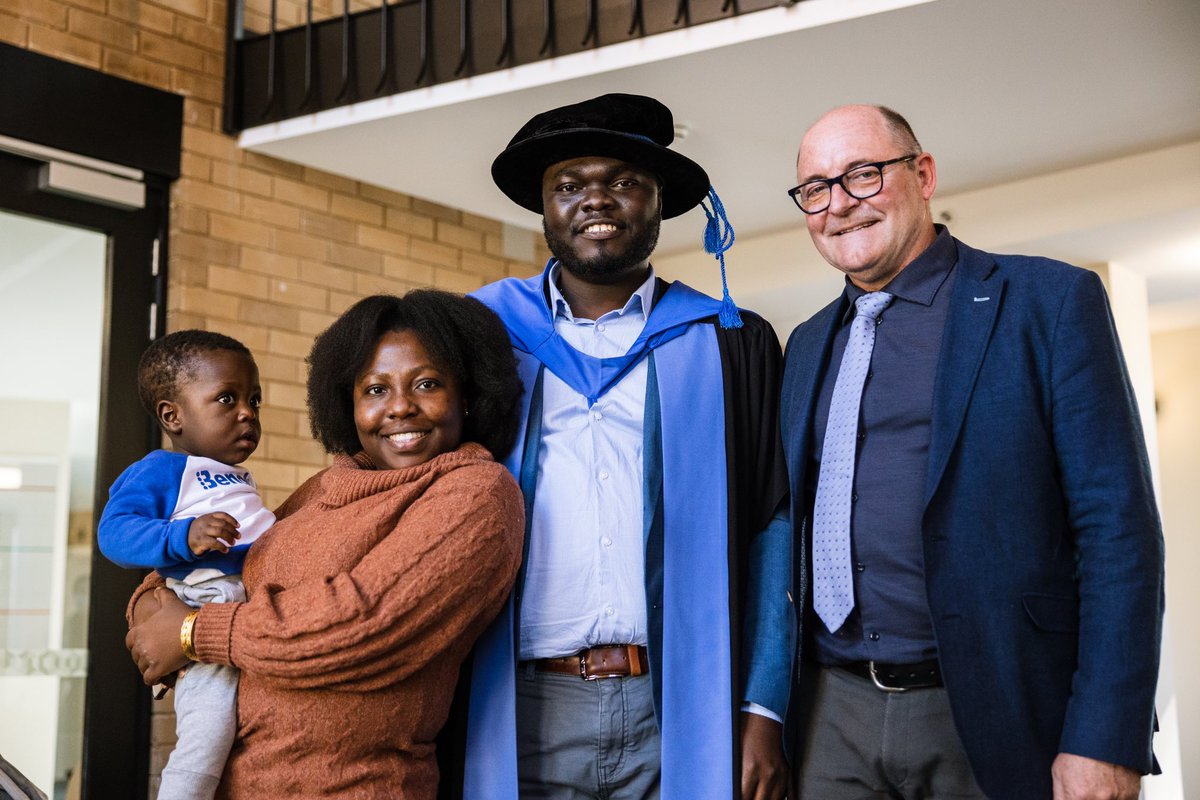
x=52 y=308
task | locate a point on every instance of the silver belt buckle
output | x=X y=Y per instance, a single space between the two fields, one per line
x=878 y=685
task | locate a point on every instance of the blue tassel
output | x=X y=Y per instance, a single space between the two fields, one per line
x=718 y=237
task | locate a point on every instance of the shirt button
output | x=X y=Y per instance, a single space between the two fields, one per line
x=603 y=475
x=854 y=497
x=596 y=415
x=600 y=326
x=609 y=611
x=861 y=436
x=874 y=637
x=607 y=542
x=860 y=567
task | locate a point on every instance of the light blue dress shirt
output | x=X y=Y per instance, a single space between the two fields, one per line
x=584 y=576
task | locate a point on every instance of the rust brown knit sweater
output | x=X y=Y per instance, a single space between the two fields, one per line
x=364 y=599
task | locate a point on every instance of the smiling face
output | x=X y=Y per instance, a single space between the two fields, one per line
x=215 y=414
x=870 y=240
x=407 y=410
x=601 y=217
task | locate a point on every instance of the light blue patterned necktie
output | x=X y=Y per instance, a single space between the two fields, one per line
x=833 y=581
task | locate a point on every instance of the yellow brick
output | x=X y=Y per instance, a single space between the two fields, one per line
x=264 y=313
x=215 y=198
x=377 y=284
x=340 y=301
x=406 y=270
x=235 y=229
x=314 y=322
x=458 y=236
x=295 y=449
x=326 y=227
x=142 y=15
x=278 y=265
x=238 y=282
x=137 y=69
x=285 y=395
x=410 y=223
x=105 y=30
x=298 y=244
x=226 y=173
x=198 y=300
x=357 y=210
x=204 y=248
x=346 y=255
x=64 y=47
x=277 y=420
x=272 y=212
x=194 y=165
x=337 y=183
x=253 y=336
x=190 y=218
x=321 y=274
x=172 y=50
x=193 y=84
x=420 y=250
x=300 y=295
x=301 y=194
x=209 y=37
x=187 y=272
x=453 y=281
x=39 y=11
x=13 y=31
x=304 y=473
x=283 y=343
x=217 y=146
x=484 y=225
x=273 y=475
x=272 y=165
x=493 y=244
x=385 y=196
x=195 y=8
x=488 y=267
x=437 y=210
x=379 y=239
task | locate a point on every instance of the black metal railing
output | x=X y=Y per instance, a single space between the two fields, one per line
x=287 y=58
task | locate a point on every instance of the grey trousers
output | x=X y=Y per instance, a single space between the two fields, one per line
x=205 y=708
x=858 y=742
x=586 y=739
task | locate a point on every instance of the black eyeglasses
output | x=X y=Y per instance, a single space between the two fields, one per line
x=865 y=180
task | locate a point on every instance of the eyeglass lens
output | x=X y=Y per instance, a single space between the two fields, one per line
x=859 y=183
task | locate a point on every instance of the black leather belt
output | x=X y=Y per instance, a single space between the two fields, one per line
x=897 y=677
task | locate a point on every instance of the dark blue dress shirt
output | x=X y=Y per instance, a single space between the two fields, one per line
x=890 y=622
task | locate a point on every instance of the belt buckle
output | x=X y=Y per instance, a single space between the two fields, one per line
x=583 y=669
x=881 y=686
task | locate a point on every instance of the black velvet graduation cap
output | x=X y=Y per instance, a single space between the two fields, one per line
x=628 y=127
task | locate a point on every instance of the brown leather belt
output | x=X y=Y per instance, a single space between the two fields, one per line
x=897 y=677
x=605 y=661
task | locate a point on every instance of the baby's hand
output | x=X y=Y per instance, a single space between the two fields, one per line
x=216 y=531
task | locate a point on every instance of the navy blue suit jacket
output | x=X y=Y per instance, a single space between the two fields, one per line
x=1043 y=548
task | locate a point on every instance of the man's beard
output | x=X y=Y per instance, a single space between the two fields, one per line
x=605 y=268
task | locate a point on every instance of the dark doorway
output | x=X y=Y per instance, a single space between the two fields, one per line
x=62 y=632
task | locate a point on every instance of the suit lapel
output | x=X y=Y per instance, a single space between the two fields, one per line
x=974 y=307
x=806 y=356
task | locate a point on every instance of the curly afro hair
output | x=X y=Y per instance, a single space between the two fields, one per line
x=169 y=360
x=461 y=334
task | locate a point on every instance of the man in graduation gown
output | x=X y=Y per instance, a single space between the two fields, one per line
x=645 y=651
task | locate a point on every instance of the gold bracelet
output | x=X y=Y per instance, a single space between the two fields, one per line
x=185 y=636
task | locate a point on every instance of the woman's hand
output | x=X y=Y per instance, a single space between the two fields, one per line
x=154 y=640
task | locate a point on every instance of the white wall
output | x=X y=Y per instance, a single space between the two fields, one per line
x=1177 y=388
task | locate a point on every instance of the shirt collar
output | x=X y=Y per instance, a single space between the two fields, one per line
x=639 y=302
x=920 y=281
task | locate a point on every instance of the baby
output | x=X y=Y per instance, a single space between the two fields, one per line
x=191 y=514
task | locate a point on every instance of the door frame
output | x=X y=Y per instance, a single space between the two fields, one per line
x=51 y=104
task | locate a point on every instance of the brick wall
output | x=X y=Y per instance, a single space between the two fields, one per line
x=263 y=250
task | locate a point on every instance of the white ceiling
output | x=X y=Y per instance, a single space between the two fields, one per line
x=997 y=90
